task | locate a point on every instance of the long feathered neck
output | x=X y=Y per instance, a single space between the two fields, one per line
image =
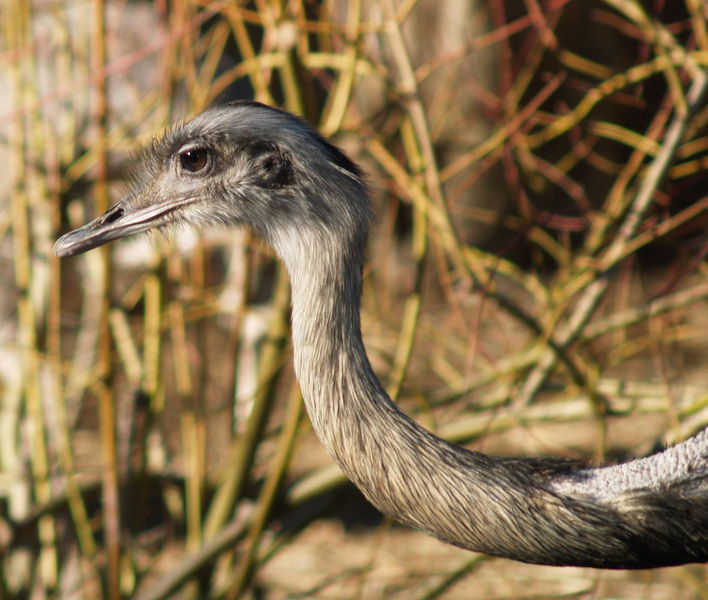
x=546 y=512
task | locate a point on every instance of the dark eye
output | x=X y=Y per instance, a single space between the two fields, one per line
x=194 y=160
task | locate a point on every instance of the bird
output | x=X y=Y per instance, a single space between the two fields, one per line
x=253 y=165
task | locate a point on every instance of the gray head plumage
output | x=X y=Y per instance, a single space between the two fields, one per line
x=244 y=163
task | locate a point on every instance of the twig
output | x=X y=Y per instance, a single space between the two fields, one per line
x=588 y=301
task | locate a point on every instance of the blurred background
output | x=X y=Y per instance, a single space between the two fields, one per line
x=536 y=284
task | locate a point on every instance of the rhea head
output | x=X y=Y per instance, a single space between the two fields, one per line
x=240 y=163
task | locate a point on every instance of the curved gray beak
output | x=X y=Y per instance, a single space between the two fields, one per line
x=117 y=222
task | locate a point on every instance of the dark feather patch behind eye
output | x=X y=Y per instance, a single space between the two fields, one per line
x=272 y=167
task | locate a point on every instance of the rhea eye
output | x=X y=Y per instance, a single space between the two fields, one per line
x=194 y=160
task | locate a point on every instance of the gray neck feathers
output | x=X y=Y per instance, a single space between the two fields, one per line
x=541 y=511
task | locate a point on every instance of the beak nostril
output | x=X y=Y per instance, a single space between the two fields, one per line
x=114 y=215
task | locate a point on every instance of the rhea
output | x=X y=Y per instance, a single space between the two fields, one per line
x=249 y=164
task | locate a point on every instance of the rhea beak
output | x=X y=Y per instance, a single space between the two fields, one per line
x=120 y=221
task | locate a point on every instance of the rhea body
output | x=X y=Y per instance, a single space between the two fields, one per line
x=249 y=164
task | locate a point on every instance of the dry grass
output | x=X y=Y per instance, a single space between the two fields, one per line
x=536 y=284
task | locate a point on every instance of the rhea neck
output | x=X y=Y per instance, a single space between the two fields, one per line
x=335 y=376
x=350 y=411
